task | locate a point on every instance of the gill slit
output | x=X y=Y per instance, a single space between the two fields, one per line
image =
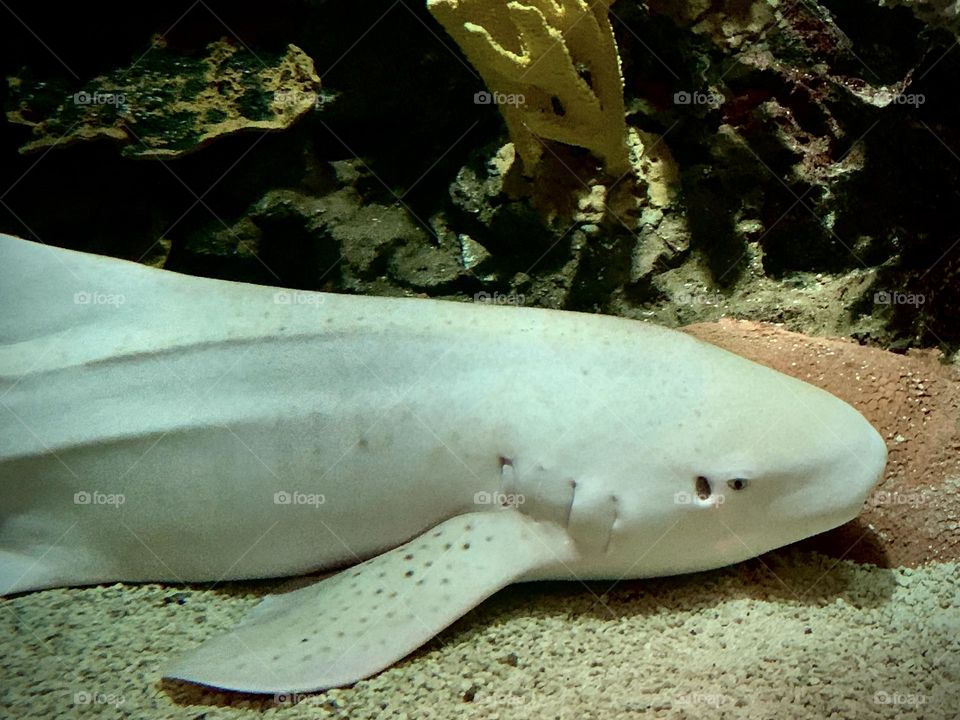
x=573 y=497
x=616 y=515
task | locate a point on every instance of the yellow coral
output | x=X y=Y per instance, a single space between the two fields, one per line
x=552 y=68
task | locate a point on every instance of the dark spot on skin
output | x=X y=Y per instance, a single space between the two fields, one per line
x=363 y=443
x=408 y=573
x=447 y=546
x=428 y=563
x=488 y=538
x=420 y=581
x=390 y=614
x=444 y=581
x=378 y=591
x=408 y=556
x=438 y=533
x=737 y=484
x=469 y=527
x=392 y=595
x=341 y=633
x=466 y=546
x=702 y=486
x=381 y=574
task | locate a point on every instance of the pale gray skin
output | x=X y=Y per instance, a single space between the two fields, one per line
x=198 y=400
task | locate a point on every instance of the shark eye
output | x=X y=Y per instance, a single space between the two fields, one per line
x=737 y=483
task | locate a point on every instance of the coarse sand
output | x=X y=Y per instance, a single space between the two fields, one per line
x=793 y=634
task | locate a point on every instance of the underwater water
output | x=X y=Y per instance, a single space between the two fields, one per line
x=312 y=491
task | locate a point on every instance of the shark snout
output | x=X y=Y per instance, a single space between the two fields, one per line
x=828 y=487
x=850 y=473
x=866 y=462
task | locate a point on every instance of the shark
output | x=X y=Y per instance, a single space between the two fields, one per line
x=160 y=427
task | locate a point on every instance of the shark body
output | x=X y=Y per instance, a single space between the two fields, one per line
x=161 y=427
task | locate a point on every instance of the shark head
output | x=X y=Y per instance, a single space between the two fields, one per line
x=747 y=460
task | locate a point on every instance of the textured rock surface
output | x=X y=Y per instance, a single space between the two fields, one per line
x=799 y=159
x=914 y=401
x=167 y=104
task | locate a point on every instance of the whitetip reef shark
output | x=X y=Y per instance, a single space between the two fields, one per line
x=160 y=427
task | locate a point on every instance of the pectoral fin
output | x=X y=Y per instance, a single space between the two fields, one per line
x=360 y=621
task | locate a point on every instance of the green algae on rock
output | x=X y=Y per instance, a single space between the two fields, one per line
x=167 y=104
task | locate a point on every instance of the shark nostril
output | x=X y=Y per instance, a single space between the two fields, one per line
x=702 y=486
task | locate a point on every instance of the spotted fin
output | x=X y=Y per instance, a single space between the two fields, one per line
x=362 y=620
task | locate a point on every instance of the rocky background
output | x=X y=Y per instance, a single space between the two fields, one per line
x=802 y=168
x=809 y=159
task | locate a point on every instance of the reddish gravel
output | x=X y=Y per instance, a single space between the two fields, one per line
x=914 y=401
